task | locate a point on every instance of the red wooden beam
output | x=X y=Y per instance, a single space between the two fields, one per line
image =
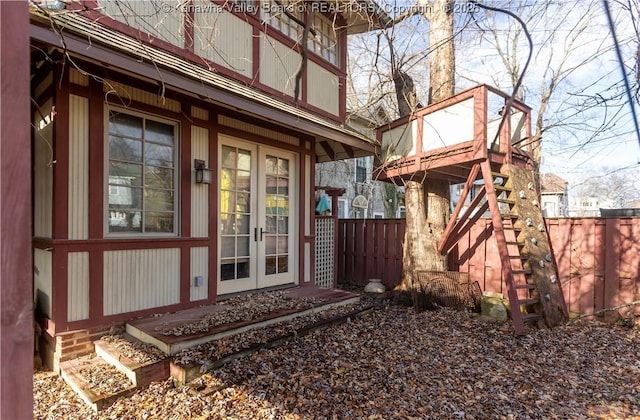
x=469 y=218
x=16 y=303
x=453 y=221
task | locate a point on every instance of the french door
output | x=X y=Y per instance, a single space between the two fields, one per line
x=257 y=213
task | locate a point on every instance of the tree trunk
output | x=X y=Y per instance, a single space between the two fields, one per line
x=427 y=219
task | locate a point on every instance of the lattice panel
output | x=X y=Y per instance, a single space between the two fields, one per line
x=325 y=249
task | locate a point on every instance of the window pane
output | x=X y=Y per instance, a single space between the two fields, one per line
x=155 y=176
x=228 y=270
x=283 y=264
x=228 y=179
x=228 y=247
x=158 y=222
x=158 y=199
x=283 y=225
x=243 y=182
x=283 y=168
x=283 y=244
x=271 y=165
x=270 y=265
x=270 y=244
x=243 y=246
x=124 y=221
x=227 y=224
x=125 y=198
x=228 y=157
x=243 y=269
x=270 y=224
x=159 y=132
x=125 y=125
x=127 y=174
x=227 y=201
x=155 y=154
x=243 y=205
x=242 y=225
x=244 y=160
x=125 y=149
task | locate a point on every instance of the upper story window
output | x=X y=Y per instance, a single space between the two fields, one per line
x=361 y=169
x=141 y=181
x=325 y=41
x=289 y=16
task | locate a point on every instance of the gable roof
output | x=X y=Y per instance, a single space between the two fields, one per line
x=551 y=183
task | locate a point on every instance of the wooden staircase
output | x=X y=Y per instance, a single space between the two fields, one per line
x=527 y=263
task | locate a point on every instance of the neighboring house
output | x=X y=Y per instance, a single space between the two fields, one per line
x=172 y=162
x=364 y=197
x=588 y=206
x=554 y=196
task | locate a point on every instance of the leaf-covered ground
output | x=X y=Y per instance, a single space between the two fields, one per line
x=396 y=363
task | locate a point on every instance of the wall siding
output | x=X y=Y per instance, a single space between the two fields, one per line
x=125 y=94
x=78 y=78
x=279 y=65
x=43 y=280
x=199 y=192
x=223 y=38
x=43 y=173
x=78 y=286
x=323 y=88
x=78 y=215
x=201 y=114
x=150 y=17
x=140 y=279
x=257 y=130
x=199 y=267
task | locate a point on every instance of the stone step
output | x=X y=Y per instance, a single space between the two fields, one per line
x=140 y=373
x=96 y=381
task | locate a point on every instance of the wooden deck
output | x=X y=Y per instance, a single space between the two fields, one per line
x=153 y=329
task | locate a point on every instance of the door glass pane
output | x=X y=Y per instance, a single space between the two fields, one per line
x=270 y=244
x=276 y=215
x=235 y=213
x=270 y=265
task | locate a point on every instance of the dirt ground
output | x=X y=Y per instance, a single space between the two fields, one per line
x=396 y=363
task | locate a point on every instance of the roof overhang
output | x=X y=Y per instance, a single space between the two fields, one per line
x=90 y=41
x=360 y=15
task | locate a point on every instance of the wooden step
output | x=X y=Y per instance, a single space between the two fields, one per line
x=141 y=373
x=96 y=381
x=507 y=216
x=524 y=271
x=531 y=317
x=530 y=301
x=506 y=201
x=502 y=188
x=527 y=286
x=499 y=175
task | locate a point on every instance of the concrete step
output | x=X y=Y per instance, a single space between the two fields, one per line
x=96 y=381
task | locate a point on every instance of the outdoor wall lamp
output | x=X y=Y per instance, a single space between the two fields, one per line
x=203 y=175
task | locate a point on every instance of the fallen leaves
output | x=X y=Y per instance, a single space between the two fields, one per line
x=396 y=363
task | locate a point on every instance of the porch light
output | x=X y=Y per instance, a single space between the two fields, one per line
x=203 y=175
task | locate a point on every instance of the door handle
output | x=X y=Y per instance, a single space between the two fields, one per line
x=261 y=234
x=255 y=234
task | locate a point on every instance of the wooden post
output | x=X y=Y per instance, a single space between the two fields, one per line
x=16 y=329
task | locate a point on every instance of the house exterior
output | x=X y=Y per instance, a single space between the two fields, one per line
x=554 y=196
x=174 y=148
x=588 y=206
x=364 y=196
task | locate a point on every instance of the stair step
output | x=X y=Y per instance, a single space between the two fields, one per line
x=529 y=301
x=502 y=188
x=527 y=286
x=499 y=175
x=531 y=317
x=96 y=381
x=507 y=216
x=150 y=366
x=506 y=201
x=524 y=271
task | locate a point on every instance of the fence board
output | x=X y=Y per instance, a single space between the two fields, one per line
x=598 y=260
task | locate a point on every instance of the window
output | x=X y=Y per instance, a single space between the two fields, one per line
x=276 y=15
x=343 y=208
x=361 y=169
x=325 y=41
x=402 y=212
x=141 y=155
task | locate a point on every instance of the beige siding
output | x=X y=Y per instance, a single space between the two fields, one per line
x=199 y=267
x=44 y=85
x=78 y=78
x=199 y=192
x=201 y=114
x=125 y=94
x=42 y=280
x=43 y=171
x=225 y=39
x=78 y=215
x=78 y=286
x=257 y=130
x=140 y=279
x=278 y=65
x=161 y=19
x=323 y=88
x=399 y=142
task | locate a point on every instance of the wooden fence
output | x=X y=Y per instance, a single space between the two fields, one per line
x=598 y=259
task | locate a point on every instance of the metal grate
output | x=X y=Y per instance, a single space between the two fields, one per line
x=325 y=250
x=446 y=288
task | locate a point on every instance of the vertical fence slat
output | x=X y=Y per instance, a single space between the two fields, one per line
x=599 y=264
x=612 y=265
x=587 y=280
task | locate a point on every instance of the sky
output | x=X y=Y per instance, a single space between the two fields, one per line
x=592 y=131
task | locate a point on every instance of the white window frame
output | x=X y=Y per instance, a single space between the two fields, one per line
x=176 y=175
x=401 y=209
x=345 y=208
